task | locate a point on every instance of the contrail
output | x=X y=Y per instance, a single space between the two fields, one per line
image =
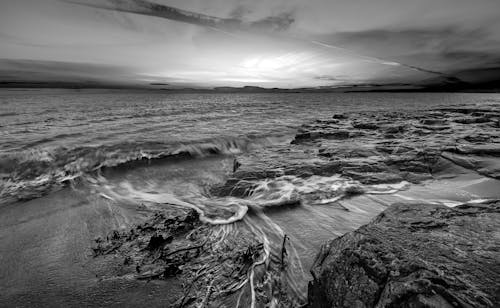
x=223 y=25
x=378 y=60
x=350 y=52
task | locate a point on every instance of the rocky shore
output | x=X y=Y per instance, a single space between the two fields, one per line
x=384 y=147
x=414 y=255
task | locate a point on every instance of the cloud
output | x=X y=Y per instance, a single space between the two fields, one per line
x=275 y=23
x=282 y=43
x=441 y=48
x=270 y=23
x=67 y=72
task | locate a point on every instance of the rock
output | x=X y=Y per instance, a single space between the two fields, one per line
x=194 y=256
x=338 y=134
x=395 y=129
x=464 y=110
x=339 y=116
x=347 y=151
x=323 y=169
x=485 y=165
x=236 y=165
x=234 y=187
x=158 y=241
x=335 y=134
x=305 y=136
x=374 y=177
x=478 y=149
x=414 y=255
x=244 y=181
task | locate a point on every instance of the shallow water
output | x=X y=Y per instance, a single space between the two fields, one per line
x=50 y=136
x=76 y=165
x=47 y=119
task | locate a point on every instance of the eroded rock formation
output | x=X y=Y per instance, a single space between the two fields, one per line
x=414 y=255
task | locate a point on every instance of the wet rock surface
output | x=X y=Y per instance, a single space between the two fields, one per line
x=414 y=255
x=384 y=147
x=214 y=265
x=379 y=148
x=375 y=147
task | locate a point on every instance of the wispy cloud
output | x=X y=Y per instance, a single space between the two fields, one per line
x=279 y=22
x=277 y=43
x=143 y=7
x=444 y=47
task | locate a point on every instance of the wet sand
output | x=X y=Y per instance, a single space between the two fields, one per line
x=47 y=259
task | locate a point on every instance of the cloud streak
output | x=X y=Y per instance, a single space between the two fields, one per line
x=273 y=43
x=228 y=25
x=271 y=23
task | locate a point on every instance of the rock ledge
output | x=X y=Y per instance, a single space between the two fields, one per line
x=414 y=255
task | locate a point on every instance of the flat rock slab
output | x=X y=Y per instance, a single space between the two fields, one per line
x=414 y=255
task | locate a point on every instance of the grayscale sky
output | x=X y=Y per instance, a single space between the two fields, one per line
x=269 y=43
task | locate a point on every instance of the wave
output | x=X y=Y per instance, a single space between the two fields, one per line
x=30 y=173
x=268 y=195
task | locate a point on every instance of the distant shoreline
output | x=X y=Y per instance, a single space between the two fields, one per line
x=244 y=90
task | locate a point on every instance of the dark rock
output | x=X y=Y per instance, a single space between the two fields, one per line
x=395 y=129
x=323 y=169
x=157 y=241
x=236 y=165
x=305 y=136
x=413 y=255
x=363 y=166
x=374 y=177
x=337 y=134
x=339 y=116
x=416 y=161
x=157 y=232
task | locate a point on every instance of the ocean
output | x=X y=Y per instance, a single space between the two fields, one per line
x=80 y=131
x=78 y=164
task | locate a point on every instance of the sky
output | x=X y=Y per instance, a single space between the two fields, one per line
x=267 y=43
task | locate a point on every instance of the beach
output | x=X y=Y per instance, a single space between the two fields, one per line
x=213 y=200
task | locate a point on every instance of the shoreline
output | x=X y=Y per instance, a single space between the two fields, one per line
x=336 y=176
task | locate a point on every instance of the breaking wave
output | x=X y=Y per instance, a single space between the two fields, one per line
x=32 y=173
